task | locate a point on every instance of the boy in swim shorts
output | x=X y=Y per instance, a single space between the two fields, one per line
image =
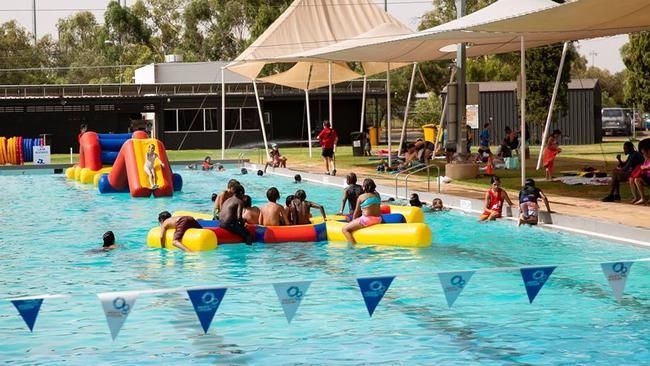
x=180 y=223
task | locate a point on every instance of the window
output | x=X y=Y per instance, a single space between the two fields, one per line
x=232 y=119
x=190 y=120
x=209 y=119
x=212 y=119
x=250 y=119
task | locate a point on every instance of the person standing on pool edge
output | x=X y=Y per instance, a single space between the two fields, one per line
x=328 y=139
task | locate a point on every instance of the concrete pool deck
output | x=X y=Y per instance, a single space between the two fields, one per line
x=472 y=202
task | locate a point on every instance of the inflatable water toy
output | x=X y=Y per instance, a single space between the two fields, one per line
x=411 y=215
x=416 y=235
x=196 y=240
x=115 y=163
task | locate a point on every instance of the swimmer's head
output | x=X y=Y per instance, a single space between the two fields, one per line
x=207 y=159
x=300 y=194
x=260 y=173
x=368 y=185
x=272 y=194
x=109 y=238
x=297 y=178
x=414 y=200
x=244 y=171
x=288 y=200
x=163 y=216
x=232 y=183
x=248 y=202
x=239 y=191
x=220 y=168
x=214 y=197
x=351 y=178
x=436 y=204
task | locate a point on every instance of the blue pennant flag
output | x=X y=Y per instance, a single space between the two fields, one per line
x=534 y=279
x=616 y=274
x=28 y=309
x=453 y=284
x=373 y=290
x=206 y=303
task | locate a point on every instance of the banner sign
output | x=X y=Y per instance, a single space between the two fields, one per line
x=206 y=303
x=373 y=290
x=290 y=295
x=534 y=279
x=616 y=274
x=41 y=155
x=28 y=310
x=117 y=307
x=453 y=284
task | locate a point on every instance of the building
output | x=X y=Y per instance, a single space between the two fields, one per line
x=183 y=103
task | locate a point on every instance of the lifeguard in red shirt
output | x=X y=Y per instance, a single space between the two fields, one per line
x=328 y=139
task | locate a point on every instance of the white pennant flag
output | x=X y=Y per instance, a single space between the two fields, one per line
x=453 y=284
x=290 y=295
x=117 y=307
x=616 y=274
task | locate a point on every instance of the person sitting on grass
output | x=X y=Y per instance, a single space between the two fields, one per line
x=300 y=208
x=287 y=209
x=232 y=215
x=350 y=193
x=494 y=198
x=623 y=171
x=640 y=177
x=251 y=213
x=223 y=196
x=277 y=160
x=272 y=214
x=180 y=223
x=367 y=211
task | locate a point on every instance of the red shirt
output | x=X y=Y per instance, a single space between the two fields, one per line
x=327 y=137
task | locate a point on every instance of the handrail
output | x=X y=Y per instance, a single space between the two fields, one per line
x=401 y=172
x=406 y=179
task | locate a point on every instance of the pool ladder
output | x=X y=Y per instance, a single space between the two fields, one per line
x=416 y=169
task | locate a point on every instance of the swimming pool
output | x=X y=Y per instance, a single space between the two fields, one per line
x=49 y=223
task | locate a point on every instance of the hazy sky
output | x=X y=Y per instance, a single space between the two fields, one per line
x=604 y=52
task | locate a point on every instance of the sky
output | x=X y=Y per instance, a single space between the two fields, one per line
x=601 y=52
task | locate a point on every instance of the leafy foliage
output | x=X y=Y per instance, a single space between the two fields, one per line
x=636 y=56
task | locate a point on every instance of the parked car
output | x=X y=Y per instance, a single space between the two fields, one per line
x=646 y=119
x=617 y=121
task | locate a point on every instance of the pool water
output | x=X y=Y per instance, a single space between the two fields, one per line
x=48 y=224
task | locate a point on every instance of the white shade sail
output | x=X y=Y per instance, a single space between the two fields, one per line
x=317 y=75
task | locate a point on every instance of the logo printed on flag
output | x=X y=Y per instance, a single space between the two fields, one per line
x=28 y=310
x=373 y=290
x=117 y=307
x=206 y=303
x=534 y=279
x=290 y=295
x=453 y=284
x=616 y=274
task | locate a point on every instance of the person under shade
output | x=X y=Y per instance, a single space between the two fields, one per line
x=272 y=214
x=367 y=211
x=251 y=213
x=300 y=209
x=551 y=150
x=180 y=223
x=494 y=198
x=223 y=196
x=350 y=194
x=623 y=171
x=528 y=206
x=232 y=215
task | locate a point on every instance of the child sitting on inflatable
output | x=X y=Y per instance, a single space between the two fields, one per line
x=231 y=217
x=223 y=196
x=149 y=162
x=300 y=208
x=367 y=211
x=272 y=214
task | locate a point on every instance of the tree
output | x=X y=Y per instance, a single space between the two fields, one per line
x=427 y=110
x=636 y=56
x=611 y=85
x=19 y=53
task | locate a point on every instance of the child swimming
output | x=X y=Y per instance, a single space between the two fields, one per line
x=149 y=162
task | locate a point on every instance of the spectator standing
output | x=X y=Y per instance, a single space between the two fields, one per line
x=328 y=139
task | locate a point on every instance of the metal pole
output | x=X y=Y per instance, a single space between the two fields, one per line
x=390 y=145
x=223 y=113
x=329 y=76
x=406 y=111
x=363 y=103
x=523 y=113
x=308 y=121
x=259 y=111
x=550 y=108
x=455 y=131
x=34 y=21
x=386 y=5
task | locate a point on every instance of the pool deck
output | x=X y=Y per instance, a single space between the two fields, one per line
x=609 y=221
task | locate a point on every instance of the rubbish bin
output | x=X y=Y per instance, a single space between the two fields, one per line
x=358 y=142
x=430 y=132
x=374 y=135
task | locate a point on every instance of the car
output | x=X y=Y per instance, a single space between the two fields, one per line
x=646 y=119
x=617 y=121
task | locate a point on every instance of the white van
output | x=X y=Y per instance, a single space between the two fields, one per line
x=617 y=121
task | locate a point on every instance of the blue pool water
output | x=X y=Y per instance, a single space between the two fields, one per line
x=48 y=224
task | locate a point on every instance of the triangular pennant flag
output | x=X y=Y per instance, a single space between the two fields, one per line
x=453 y=284
x=534 y=279
x=616 y=274
x=28 y=309
x=206 y=303
x=117 y=307
x=373 y=290
x=290 y=295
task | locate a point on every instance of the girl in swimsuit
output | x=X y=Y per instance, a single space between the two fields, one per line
x=367 y=211
x=149 y=162
x=494 y=198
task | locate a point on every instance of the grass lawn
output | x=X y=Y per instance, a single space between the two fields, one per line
x=573 y=158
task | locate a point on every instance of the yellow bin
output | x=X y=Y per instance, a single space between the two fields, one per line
x=430 y=132
x=374 y=135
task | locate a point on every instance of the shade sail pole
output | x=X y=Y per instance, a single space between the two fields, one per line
x=223 y=114
x=388 y=113
x=522 y=151
x=406 y=111
x=308 y=121
x=259 y=111
x=550 y=108
x=363 y=103
x=329 y=78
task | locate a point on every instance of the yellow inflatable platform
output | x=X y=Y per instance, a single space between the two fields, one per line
x=196 y=240
x=417 y=235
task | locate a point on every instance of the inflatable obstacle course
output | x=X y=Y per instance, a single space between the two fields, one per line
x=17 y=150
